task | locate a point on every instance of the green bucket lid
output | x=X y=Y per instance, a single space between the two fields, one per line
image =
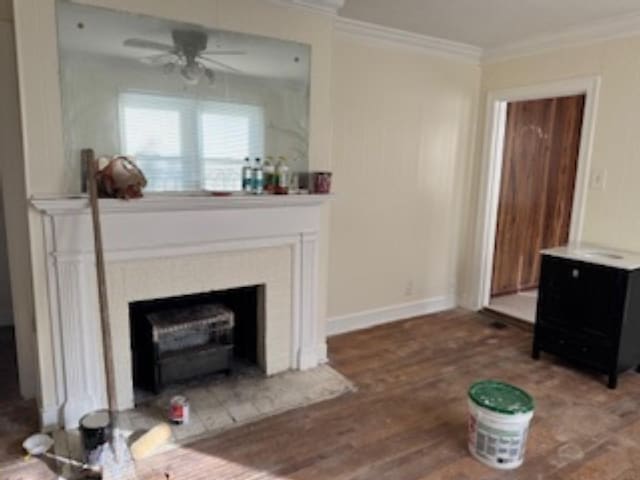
x=500 y=397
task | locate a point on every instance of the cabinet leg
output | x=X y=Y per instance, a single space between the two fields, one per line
x=535 y=353
x=613 y=381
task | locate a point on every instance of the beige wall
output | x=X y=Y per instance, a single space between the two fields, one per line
x=403 y=126
x=6 y=315
x=6 y=10
x=611 y=215
x=399 y=130
x=14 y=200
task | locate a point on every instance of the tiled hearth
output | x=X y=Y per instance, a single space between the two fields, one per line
x=224 y=403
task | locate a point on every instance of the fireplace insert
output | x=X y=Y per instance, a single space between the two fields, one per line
x=181 y=338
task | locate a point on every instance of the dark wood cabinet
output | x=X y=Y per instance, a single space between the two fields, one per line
x=589 y=314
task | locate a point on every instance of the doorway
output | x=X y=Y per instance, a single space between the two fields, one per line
x=491 y=173
x=539 y=166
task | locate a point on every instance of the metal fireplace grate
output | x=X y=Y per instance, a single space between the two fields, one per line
x=185 y=343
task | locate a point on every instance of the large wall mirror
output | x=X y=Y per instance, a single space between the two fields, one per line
x=188 y=103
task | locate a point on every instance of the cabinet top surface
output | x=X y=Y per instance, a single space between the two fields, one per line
x=597 y=254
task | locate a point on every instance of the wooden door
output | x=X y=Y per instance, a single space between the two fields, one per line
x=542 y=140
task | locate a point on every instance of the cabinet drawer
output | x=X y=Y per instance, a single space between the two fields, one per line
x=581 y=297
x=588 y=351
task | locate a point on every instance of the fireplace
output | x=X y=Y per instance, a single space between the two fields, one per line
x=192 y=337
x=172 y=246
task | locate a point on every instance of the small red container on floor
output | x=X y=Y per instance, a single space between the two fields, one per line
x=179 y=410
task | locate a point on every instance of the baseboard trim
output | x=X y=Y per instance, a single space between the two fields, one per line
x=322 y=353
x=49 y=418
x=380 y=316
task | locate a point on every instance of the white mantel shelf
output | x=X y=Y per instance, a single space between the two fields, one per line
x=72 y=205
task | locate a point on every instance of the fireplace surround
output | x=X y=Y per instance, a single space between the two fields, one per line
x=164 y=246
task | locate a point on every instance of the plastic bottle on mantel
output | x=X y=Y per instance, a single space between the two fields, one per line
x=247 y=176
x=282 y=174
x=258 y=177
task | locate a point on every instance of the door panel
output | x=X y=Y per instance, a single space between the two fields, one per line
x=542 y=139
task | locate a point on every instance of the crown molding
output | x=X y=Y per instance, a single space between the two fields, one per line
x=326 y=7
x=609 y=29
x=401 y=38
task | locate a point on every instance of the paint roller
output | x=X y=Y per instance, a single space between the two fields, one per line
x=150 y=441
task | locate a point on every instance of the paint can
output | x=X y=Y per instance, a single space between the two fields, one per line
x=179 y=410
x=95 y=431
x=499 y=418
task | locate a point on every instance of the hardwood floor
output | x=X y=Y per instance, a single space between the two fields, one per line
x=407 y=421
x=18 y=418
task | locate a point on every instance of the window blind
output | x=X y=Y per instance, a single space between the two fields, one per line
x=190 y=144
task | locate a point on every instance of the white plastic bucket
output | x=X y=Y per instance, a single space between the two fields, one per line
x=497 y=439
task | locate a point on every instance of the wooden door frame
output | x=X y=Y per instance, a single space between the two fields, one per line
x=492 y=162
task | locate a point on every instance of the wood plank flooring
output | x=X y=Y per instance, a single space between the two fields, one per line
x=18 y=418
x=407 y=421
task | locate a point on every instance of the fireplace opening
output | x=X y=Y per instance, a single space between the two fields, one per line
x=190 y=338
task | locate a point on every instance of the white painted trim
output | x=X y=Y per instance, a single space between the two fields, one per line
x=492 y=166
x=322 y=352
x=49 y=419
x=326 y=7
x=61 y=205
x=386 y=36
x=380 y=316
x=608 y=29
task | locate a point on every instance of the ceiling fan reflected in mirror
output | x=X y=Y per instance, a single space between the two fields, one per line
x=188 y=55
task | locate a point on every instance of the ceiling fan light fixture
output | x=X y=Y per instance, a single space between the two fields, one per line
x=185 y=55
x=192 y=72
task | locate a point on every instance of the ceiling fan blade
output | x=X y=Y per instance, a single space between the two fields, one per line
x=158 y=59
x=220 y=64
x=224 y=52
x=147 y=44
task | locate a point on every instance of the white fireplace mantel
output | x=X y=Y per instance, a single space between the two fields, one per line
x=161 y=227
x=60 y=205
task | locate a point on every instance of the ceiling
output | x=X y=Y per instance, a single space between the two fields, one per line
x=487 y=23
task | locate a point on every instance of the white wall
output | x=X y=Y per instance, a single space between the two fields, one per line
x=403 y=128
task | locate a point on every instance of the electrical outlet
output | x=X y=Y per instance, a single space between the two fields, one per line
x=599 y=179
